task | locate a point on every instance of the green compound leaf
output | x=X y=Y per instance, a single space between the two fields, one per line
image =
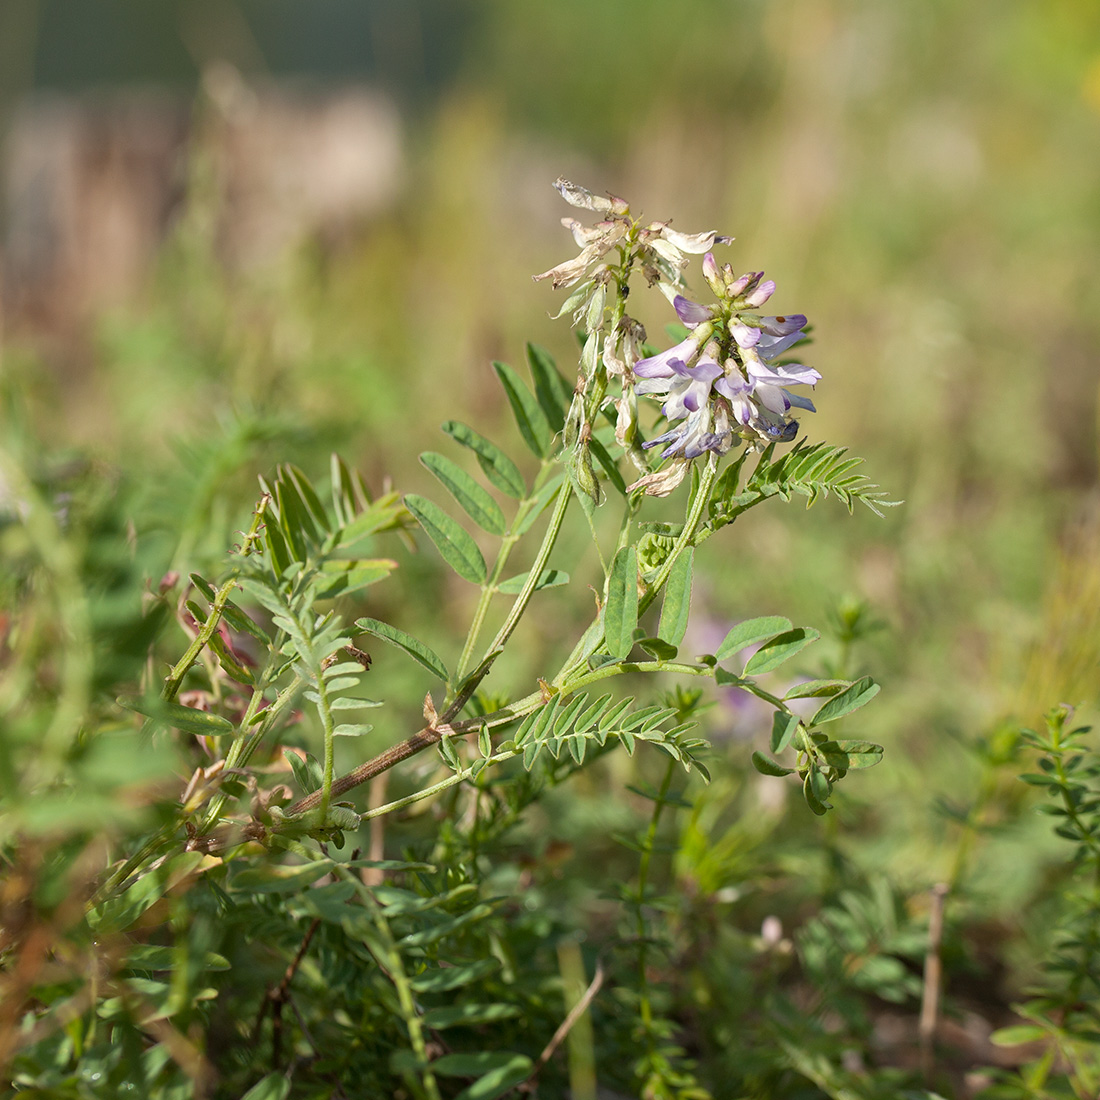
x=772 y=654
x=530 y=418
x=815 y=788
x=471 y=497
x=185 y=719
x=554 y=393
x=677 y=600
x=621 y=611
x=415 y=648
x=497 y=1072
x=444 y=979
x=468 y=1015
x=275 y=1086
x=783 y=729
x=852 y=698
x=452 y=540
x=750 y=632
x=498 y=467
x=815 y=689
x=549 y=578
x=765 y=765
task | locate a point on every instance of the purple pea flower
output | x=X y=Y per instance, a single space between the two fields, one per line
x=688 y=388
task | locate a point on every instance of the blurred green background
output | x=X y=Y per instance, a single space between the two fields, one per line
x=246 y=231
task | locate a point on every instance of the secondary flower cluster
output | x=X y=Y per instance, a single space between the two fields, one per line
x=656 y=248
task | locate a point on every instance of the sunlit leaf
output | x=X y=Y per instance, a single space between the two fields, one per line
x=530 y=418
x=677 y=600
x=498 y=467
x=852 y=698
x=471 y=497
x=773 y=653
x=621 y=610
x=454 y=543
x=412 y=646
x=750 y=632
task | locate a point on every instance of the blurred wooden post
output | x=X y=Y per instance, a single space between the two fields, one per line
x=933 y=978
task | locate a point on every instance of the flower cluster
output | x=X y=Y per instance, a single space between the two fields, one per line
x=659 y=250
x=718 y=386
x=721 y=381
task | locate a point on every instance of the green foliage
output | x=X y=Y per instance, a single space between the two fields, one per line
x=812 y=470
x=245 y=888
x=1064 y=1012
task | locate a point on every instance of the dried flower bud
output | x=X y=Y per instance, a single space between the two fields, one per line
x=580 y=196
x=664 y=481
x=626 y=422
x=695 y=243
x=593 y=320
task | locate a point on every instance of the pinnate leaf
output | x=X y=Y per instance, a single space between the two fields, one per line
x=452 y=540
x=412 y=646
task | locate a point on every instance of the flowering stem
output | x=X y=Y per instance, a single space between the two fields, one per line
x=489 y=589
x=565 y=493
x=686 y=539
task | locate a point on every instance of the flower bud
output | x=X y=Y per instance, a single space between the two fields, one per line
x=590 y=354
x=735 y=287
x=593 y=318
x=573 y=421
x=626 y=423
x=579 y=196
x=761 y=294
x=713 y=275
x=583 y=474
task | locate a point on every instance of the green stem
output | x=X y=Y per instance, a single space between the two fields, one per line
x=553 y=529
x=436 y=788
x=696 y=511
x=489 y=589
x=644 y=1005
x=217 y=606
x=389 y=959
x=605 y=672
x=327 y=723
